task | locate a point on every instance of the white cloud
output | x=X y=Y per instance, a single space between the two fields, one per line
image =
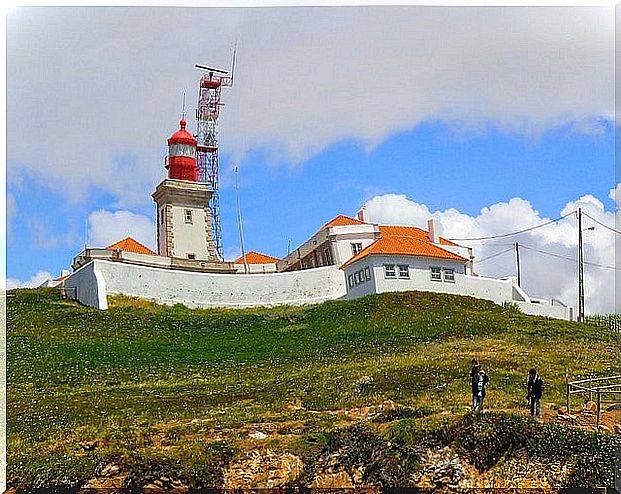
x=615 y=195
x=543 y=275
x=33 y=282
x=107 y=227
x=99 y=89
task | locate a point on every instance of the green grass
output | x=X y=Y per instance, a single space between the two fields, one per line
x=123 y=376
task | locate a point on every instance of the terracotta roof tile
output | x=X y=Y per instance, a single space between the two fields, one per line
x=411 y=231
x=130 y=245
x=404 y=240
x=254 y=257
x=342 y=220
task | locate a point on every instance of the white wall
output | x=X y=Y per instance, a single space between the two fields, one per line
x=420 y=278
x=193 y=289
x=257 y=268
x=366 y=287
x=343 y=248
x=345 y=235
x=189 y=237
x=498 y=291
x=555 y=311
x=88 y=285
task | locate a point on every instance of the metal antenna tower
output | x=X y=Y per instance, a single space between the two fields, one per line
x=207 y=113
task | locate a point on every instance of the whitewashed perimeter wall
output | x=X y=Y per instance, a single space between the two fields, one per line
x=88 y=286
x=554 y=311
x=169 y=286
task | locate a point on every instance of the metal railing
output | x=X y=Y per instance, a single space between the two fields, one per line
x=593 y=387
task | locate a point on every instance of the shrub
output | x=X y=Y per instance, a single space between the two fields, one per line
x=485 y=438
x=403 y=413
x=201 y=468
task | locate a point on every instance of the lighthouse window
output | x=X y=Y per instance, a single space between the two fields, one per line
x=182 y=150
x=188 y=216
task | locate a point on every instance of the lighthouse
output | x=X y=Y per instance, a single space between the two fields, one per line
x=181 y=159
x=184 y=226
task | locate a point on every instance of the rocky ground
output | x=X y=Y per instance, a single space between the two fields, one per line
x=263 y=467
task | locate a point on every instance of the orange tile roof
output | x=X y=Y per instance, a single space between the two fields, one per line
x=62 y=278
x=342 y=220
x=414 y=244
x=254 y=257
x=411 y=231
x=130 y=245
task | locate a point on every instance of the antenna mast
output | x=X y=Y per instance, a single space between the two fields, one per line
x=207 y=113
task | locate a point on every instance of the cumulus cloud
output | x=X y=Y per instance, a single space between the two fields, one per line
x=107 y=227
x=548 y=255
x=615 y=195
x=99 y=89
x=33 y=282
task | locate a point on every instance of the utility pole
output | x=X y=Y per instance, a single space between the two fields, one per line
x=580 y=270
x=239 y=222
x=581 y=317
x=517 y=259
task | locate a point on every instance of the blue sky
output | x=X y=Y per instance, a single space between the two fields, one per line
x=488 y=119
x=431 y=165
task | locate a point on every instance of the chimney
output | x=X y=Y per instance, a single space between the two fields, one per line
x=362 y=214
x=431 y=226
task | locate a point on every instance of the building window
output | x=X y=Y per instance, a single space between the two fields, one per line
x=389 y=271
x=357 y=277
x=436 y=273
x=449 y=275
x=367 y=273
x=162 y=215
x=187 y=214
x=404 y=271
x=328 y=255
x=191 y=256
x=351 y=280
x=356 y=247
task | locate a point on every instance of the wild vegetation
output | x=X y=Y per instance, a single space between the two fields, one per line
x=173 y=391
x=611 y=321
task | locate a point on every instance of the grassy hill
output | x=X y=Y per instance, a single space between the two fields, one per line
x=176 y=390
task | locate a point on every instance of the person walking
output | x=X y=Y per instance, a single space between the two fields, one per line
x=479 y=384
x=473 y=372
x=535 y=391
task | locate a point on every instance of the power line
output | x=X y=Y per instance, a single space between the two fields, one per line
x=602 y=224
x=493 y=255
x=514 y=233
x=551 y=254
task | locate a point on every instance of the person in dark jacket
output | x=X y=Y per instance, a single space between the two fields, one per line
x=473 y=373
x=479 y=383
x=535 y=391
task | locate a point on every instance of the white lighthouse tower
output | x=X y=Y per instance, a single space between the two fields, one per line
x=184 y=226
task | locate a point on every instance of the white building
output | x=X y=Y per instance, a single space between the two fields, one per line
x=255 y=262
x=346 y=258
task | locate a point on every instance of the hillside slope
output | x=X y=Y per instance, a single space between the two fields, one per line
x=142 y=385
